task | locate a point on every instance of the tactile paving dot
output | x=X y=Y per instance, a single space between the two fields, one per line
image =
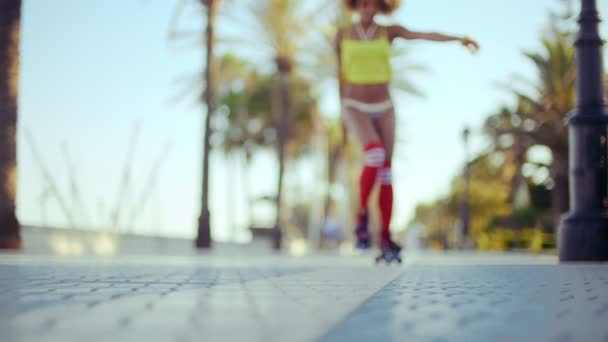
x=484 y=303
x=126 y=303
x=424 y=303
x=33 y=287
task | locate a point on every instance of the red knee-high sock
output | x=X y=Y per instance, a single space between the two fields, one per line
x=385 y=199
x=374 y=159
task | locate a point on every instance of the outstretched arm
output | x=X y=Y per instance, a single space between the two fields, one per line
x=402 y=32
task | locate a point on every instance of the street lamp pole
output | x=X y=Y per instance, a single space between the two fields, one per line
x=465 y=204
x=203 y=236
x=583 y=233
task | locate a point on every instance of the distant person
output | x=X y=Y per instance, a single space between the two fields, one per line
x=333 y=230
x=364 y=53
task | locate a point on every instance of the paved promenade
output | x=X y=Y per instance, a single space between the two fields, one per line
x=227 y=297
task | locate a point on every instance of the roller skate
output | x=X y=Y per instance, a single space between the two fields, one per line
x=362 y=233
x=390 y=252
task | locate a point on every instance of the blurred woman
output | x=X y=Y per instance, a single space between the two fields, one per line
x=364 y=52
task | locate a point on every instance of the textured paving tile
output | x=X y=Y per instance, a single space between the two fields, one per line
x=485 y=303
x=28 y=287
x=130 y=303
x=448 y=297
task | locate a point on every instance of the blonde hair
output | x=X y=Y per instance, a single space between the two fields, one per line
x=386 y=6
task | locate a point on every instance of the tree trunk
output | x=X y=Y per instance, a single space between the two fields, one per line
x=281 y=119
x=10 y=17
x=203 y=239
x=560 y=199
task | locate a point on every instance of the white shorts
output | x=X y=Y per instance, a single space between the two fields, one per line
x=373 y=109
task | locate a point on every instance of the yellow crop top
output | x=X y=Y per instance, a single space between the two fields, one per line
x=366 y=61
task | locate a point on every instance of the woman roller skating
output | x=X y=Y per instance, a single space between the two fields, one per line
x=364 y=52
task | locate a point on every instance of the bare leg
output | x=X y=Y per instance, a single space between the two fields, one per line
x=362 y=126
x=385 y=125
x=374 y=155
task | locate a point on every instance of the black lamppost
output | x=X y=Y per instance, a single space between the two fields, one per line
x=203 y=236
x=583 y=233
x=465 y=204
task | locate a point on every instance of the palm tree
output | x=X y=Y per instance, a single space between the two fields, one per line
x=278 y=17
x=283 y=26
x=242 y=125
x=245 y=121
x=10 y=18
x=211 y=80
x=538 y=117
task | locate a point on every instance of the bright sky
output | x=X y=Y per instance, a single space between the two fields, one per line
x=92 y=69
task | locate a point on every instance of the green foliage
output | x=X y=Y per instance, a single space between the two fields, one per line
x=538 y=114
x=530 y=239
x=246 y=118
x=489 y=197
x=541 y=105
x=534 y=120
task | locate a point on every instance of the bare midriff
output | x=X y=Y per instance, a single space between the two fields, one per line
x=368 y=93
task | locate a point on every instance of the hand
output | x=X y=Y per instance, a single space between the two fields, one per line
x=470 y=44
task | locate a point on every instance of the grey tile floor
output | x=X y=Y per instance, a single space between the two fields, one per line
x=485 y=303
x=453 y=297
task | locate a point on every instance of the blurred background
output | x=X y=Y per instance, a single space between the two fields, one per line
x=112 y=111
